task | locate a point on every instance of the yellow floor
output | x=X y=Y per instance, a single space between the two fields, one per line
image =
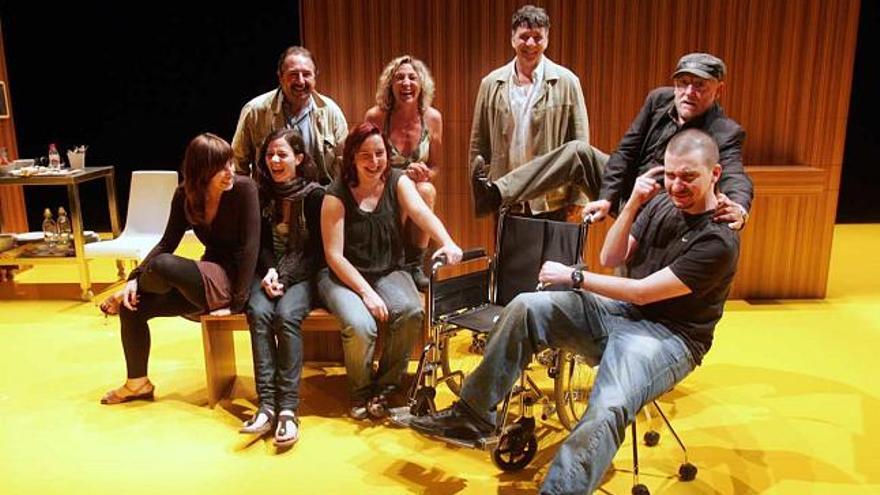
x=787 y=402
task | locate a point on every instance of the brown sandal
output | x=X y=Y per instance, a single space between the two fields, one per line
x=110 y=306
x=144 y=393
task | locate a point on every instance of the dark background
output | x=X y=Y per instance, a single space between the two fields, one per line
x=136 y=87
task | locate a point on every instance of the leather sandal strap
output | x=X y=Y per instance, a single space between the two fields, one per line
x=269 y=413
x=142 y=390
x=288 y=417
x=283 y=419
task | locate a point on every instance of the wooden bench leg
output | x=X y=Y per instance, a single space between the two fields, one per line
x=219 y=362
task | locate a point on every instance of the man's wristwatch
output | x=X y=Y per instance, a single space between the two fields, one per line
x=577 y=279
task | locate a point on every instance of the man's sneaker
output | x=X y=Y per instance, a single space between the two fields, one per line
x=487 y=197
x=456 y=423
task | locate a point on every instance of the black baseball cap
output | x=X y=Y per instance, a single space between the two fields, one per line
x=703 y=65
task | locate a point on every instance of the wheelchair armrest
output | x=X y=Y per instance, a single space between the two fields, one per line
x=473 y=253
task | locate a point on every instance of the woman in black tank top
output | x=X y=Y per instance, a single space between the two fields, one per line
x=365 y=285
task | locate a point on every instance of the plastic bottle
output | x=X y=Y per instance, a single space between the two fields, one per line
x=54 y=156
x=50 y=230
x=64 y=231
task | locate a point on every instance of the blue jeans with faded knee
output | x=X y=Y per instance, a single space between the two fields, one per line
x=276 y=342
x=638 y=361
x=360 y=330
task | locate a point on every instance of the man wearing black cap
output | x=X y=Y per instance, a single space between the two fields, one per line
x=692 y=103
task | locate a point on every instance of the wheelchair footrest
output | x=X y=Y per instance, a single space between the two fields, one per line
x=401 y=416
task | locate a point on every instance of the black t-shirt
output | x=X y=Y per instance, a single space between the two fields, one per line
x=701 y=253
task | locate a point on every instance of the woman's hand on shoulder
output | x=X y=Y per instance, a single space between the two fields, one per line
x=418 y=172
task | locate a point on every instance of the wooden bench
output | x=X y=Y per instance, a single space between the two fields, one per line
x=321 y=342
x=320 y=338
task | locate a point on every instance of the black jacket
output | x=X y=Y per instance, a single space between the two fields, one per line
x=644 y=144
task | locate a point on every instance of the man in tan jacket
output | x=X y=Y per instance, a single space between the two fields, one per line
x=295 y=104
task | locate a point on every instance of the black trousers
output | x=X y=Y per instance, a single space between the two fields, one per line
x=168 y=286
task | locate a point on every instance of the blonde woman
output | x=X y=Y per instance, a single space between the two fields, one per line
x=414 y=130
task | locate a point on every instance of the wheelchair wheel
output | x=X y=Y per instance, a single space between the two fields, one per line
x=516 y=448
x=572 y=386
x=460 y=350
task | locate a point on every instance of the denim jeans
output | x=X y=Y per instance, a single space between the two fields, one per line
x=638 y=361
x=360 y=329
x=276 y=342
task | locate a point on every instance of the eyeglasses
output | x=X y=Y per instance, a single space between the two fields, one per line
x=696 y=84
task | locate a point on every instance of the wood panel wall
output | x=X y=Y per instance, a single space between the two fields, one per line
x=12 y=213
x=790 y=70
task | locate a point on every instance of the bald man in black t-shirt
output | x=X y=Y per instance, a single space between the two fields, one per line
x=646 y=333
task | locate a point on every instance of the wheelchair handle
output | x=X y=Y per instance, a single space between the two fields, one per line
x=588 y=219
x=470 y=254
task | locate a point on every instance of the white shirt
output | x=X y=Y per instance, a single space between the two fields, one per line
x=522 y=99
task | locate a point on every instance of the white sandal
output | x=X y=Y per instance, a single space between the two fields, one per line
x=254 y=426
x=287 y=431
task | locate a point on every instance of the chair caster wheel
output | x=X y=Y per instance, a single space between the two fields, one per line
x=514 y=452
x=640 y=489
x=517 y=446
x=687 y=472
x=651 y=438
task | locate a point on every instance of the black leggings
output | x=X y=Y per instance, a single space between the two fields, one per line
x=168 y=286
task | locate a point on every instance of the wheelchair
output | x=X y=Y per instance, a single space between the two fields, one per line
x=462 y=309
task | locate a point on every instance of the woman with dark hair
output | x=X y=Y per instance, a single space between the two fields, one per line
x=281 y=296
x=365 y=285
x=222 y=209
x=414 y=130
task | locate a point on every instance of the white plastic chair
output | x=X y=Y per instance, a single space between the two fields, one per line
x=149 y=203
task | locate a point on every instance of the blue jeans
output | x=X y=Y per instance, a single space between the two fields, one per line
x=638 y=361
x=276 y=342
x=360 y=329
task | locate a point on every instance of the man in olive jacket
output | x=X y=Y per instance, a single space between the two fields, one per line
x=525 y=112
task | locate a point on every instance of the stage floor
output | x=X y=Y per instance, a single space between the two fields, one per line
x=786 y=402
